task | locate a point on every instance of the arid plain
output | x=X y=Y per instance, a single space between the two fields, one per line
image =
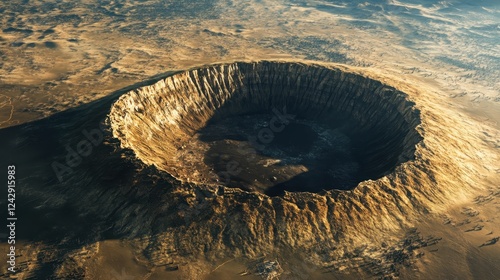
x=445 y=56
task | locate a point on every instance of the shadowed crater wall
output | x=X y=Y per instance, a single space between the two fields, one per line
x=269 y=127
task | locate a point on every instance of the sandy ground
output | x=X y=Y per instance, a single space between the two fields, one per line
x=71 y=53
x=59 y=56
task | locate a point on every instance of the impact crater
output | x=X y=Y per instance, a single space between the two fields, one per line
x=269 y=126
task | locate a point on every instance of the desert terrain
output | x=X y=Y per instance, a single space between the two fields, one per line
x=119 y=216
